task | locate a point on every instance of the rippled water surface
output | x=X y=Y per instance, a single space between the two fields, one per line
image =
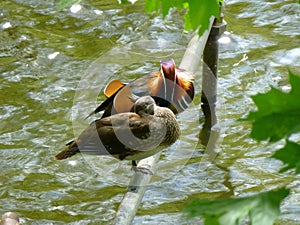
x=52 y=61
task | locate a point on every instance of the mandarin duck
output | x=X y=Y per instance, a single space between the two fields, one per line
x=130 y=135
x=171 y=87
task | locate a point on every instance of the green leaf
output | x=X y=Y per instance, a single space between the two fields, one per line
x=163 y=5
x=262 y=208
x=290 y=155
x=152 y=5
x=278 y=114
x=166 y=5
x=198 y=13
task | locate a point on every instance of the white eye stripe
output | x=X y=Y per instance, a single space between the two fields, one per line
x=180 y=105
x=174 y=86
x=185 y=101
x=165 y=87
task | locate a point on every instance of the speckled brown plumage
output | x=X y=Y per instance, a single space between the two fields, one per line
x=132 y=135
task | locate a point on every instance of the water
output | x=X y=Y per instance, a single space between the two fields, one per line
x=47 y=56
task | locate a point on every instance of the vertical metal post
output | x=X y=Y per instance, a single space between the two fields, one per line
x=209 y=80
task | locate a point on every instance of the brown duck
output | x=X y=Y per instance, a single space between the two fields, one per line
x=132 y=135
x=170 y=87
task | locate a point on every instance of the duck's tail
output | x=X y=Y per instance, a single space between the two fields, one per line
x=71 y=150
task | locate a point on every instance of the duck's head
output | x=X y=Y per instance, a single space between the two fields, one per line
x=144 y=105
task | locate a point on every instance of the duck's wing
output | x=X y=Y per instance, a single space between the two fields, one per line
x=112 y=135
x=119 y=95
x=110 y=92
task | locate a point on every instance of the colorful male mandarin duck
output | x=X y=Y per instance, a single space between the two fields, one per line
x=130 y=135
x=171 y=87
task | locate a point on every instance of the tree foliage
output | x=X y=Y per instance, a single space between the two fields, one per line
x=262 y=208
x=198 y=12
x=277 y=117
x=290 y=155
x=278 y=114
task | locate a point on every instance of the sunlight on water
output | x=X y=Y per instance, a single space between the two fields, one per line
x=46 y=55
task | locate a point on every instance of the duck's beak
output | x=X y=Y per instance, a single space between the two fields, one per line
x=150 y=109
